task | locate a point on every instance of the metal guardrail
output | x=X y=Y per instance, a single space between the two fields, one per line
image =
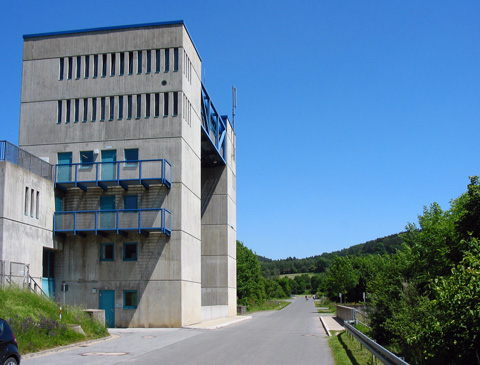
x=378 y=351
x=13 y=154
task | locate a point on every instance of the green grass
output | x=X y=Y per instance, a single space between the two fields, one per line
x=331 y=307
x=271 y=304
x=36 y=324
x=347 y=351
x=292 y=276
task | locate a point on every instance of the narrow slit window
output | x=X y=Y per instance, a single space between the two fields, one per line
x=157 y=105
x=94 y=109
x=120 y=107
x=129 y=107
x=130 y=63
x=167 y=60
x=175 y=104
x=87 y=67
x=165 y=104
x=85 y=110
x=175 y=59
x=70 y=66
x=95 y=66
x=59 y=111
x=104 y=65
x=61 y=68
x=157 y=60
x=32 y=201
x=37 y=205
x=112 y=64
x=122 y=63
x=77 y=110
x=79 y=67
x=67 y=117
x=147 y=106
x=149 y=61
x=102 y=109
x=139 y=62
x=139 y=106
x=112 y=107
x=26 y=201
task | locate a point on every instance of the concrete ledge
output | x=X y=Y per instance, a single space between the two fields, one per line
x=218 y=323
x=330 y=324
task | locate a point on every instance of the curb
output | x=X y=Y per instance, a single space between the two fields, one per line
x=325 y=327
x=219 y=325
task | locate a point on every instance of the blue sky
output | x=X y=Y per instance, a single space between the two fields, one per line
x=352 y=115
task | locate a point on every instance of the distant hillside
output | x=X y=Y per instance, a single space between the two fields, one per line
x=320 y=263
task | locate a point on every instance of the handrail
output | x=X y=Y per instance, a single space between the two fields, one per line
x=378 y=351
x=36 y=286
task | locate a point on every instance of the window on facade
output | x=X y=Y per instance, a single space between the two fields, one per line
x=157 y=60
x=157 y=105
x=85 y=110
x=59 y=111
x=37 y=205
x=175 y=103
x=131 y=156
x=87 y=67
x=95 y=66
x=112 y=64
x=149 y=61
x=79 y=67
x=32 y=201
x=122 y=63
x=107 y=252
x=77 y=110
x=129 y=107
x=94 y=109
x=139 y=106
x=130 y=63
x=139 y=62
x=147 y=106
x=175 y=59
x=60 y=71
x=86 y=159
x=104 y=65
x=26 y=201
x=165 y=104
x=67 y=117
x=129 y=299
x=129 y=251
x=70 y=66
x=167 y=60
x=120 y=107
x=112 y=107
x=102 y=109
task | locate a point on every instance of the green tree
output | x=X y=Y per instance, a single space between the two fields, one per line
x=342 y=278
x=250 y=282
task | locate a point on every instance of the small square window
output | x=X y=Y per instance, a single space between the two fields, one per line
x=130 y=251
x=86 y=159
x=129 y=299
x=107 y=252
x=131 y=156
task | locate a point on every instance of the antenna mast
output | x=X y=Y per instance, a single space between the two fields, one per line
x=234 y=104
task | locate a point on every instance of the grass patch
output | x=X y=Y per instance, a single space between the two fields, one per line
x=268 y=305
x=292 y=276
x=36 y=324
x=347 y=351
x=330 y=307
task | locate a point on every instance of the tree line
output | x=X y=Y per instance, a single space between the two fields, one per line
x=423 y=286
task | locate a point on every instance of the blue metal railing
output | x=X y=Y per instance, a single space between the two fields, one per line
x=13 y=154
x=123 y=173
x=214 y=125
x=117 y=221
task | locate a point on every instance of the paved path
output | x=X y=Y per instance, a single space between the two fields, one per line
x=292 y=335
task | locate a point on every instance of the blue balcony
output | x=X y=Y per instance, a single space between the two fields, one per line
x=117 y=173
x=142 y=221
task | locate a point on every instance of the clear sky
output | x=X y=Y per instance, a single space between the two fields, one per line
x=352 y=115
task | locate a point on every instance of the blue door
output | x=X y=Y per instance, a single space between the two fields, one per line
x=107 y=303
x=64 y=173
x=58 y=208
x=109 y=167
x=48 y=276
x=107 y=218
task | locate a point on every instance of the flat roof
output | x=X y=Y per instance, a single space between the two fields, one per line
x=144 y=25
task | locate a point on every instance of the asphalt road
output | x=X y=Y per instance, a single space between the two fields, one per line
x=292 y=335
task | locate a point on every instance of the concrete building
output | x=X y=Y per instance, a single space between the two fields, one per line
x=144 y=174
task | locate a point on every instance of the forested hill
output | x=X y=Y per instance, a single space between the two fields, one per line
x=318 y=264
